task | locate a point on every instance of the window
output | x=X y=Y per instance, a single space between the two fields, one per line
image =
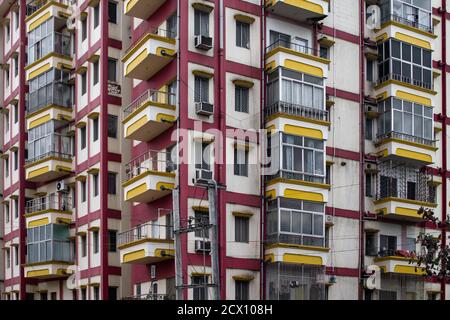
x=112 y=12
x=369 y=71
x=371 y=244
x=112 y=241
x=53 y=296
x=7 y=77
x=324 y=52
x=172 y=27
x=83 y=138
x=328 y=174
x=83 y=83
x=241 y=99
x=172 y=91
x=202 y=218
x=241 y=229
x=83 y=294
x=201 y=88
x=388 y=245
x=240 y=160
x=432 y=194
x=16 y=66
x=369 y=129
x=95 y=184
x=96 y=290
x=296 y=90
x=112 y=126
x=44 y=295
x=95 y=240
x=242 y=290
x=200 y=293
x=16 y=20
x=83 y=246
x=96 y=16
x=6 y=167
x=112 y=70
x=95 y=129
x=414 y=13
x=201 y=23
x=16 y=160
x=411 y=244
x=16 y=113
x=8 y=32
x=242 y=34
x=6 y=122
x=369 y=185
x=83 y=29
x=16 y=208
x=96 y=72
x=16 y=255
x=83 y=191
x=48 y=243
x=8 y=258
x=112 y=188
x=202 y=156
x=404 y=62
x=112 y=293
x=303 y=158
x=405 y=120
x=6 y=213
x=278 y=39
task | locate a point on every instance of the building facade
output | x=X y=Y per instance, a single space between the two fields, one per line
x=321 y=123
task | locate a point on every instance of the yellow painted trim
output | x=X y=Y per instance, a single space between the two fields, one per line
x=38 y=273
x=136 y=125
x=38 y=172
x=302 y=259
x=145 y=38
x=136 y=61
x=133 y=256
x=242 y=214
x=162 y=117
x=203 y=74
x=409 y=143
x=166 y=185
x=296 y=246
x=243 y=83
x=202 y=7
x=168 y=52
x=297 y=118
x=407 y=212
x=39 y=71
x=161 y=253
x=414 y=98
x=38 y=223
x=303 y=195
x=39 y=121
x=298 y=54
x=136 y=191
x=27 y=166
x=148 y=173
x=409 y=270
x=413 y=202
x=39 y=21
x=303 y=67
x=414 y=155
x=413 y=40
x=272 y=194
x=243 y=278
x=304 y=132
x=406 y=85
x=244 y=18
x=408 y=28
x=200 y=208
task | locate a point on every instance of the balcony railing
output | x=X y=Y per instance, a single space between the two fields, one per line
x=150 y=96
x=280 y=43
x=405 y=137
x=50 y=251
x=296 y=110
x=408 y=22
x=52 y=43
x=50 y=202
x=52 y=145
x=149 y=161
x=146 y=231
x=150 y=296
x=396 y=180
x=399 y=77
x=285 y=174
x=56 y=93
x=35 y=5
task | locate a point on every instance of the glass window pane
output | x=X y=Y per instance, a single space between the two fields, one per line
x=307 y=223
x=285 y=221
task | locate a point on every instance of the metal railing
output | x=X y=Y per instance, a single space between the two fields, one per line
x=156 y=31
x=50 y=250
x=150 y=96
x=50 y=202
x=55 y=93
x=399 y=77
x=149 y=161
x=280 y=43
x=52 y=145
x=405 y=137
x=53 y=43
x=296 y=110
x=35 y=5
x=285 y=174
x=146 y=231
x=150 y=296
x=408 y=22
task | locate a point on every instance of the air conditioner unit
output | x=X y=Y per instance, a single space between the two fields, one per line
x=203 y=42
x=61 y=186
x=204 y=108
x=202 y=246
x=202 y=175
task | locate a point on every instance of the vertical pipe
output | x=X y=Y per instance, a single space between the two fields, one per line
x=263 y=151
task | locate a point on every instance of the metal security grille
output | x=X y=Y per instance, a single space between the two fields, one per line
x=401 y=287
x=294 y=282
x=397 y=180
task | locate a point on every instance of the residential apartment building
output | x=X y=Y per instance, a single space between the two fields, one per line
x=347 y=102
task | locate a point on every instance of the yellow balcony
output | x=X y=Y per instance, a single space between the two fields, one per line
x=142 y=9
x=299 y=10
x=147 y=243
x=298 y=254
x=149 y=115
x=396 y=26
x=399 y=265
x=49 y=166
x=149 y=177
x=51 y=209
x=296 y=57
x=47 y=270
x=401 y=209
x=39 y=11
x=149 y=55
